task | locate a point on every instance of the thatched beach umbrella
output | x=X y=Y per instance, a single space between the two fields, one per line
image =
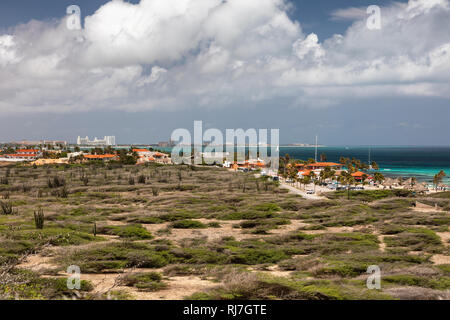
x=419 y=188
x=388 y=182
x=408 y=181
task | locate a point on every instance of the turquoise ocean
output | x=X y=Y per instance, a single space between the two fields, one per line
x=394 y=161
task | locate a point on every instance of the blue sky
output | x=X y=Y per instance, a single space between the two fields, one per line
x=386 y=87
x=315 y=15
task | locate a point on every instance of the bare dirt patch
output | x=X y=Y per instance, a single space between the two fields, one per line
x=440 y=259
x=178 y=289
x=445 y=237
x=226 y=230
x=38 y=263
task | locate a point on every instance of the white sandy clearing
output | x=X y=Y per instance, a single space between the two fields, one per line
x=440 y=259
x=37 y=263
x=421 y=207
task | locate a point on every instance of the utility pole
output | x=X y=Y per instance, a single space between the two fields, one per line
x=315 y=157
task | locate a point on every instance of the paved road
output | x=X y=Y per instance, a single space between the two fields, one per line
x=300 y=192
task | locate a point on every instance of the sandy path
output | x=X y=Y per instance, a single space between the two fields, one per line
x=445 y=237
x=300 y=192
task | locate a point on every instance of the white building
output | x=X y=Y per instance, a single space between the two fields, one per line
x=106 y=141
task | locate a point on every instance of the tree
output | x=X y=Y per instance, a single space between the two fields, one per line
x=126 y=158
x=347 y=179
x=438 y=178
x=364 y=178
x=378 y=177
x=375 y=165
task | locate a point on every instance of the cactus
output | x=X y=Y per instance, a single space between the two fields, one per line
x=39 y=218
x=94 y=230
x=141 y=179
x=7 y=208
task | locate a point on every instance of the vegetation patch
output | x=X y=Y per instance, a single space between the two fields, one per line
x=144 y=281
x=134 y=231
x=188 y=224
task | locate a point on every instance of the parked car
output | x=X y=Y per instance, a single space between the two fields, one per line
x=289 y=180
x=309 y=191
x=275 y=178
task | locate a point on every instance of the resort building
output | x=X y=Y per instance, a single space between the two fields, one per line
x=145 y=155
x=247 y=164
x=319 y=166
x=106 y=141
x=358 y=176
x=28 y=151
x=22 y=155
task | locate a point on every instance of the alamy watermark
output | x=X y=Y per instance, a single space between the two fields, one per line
x=74 y=280
x=239 y=146
x=74 y=17
x=374 y=20
x=374 y=280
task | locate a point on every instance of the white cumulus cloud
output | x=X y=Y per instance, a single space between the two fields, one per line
x=171 y=54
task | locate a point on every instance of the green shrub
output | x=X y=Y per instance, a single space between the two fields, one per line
x=188 y=224
x=134 y=231
x=146 y=281
x=442 y=283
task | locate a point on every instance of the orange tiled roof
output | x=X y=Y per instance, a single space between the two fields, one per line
x=20 y=155
x=140 y=150
x=27 y=151
x=324 y=164
x=358 y=174
x=305 y=172
x=159 y=154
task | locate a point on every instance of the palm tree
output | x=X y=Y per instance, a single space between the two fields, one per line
x=378 y=177
x=375 y=166
x=438 y=178
x=347 y=179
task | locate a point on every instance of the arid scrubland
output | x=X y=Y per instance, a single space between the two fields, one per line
x=174 y=232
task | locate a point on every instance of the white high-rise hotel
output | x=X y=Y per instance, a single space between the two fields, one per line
x=106 y=141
